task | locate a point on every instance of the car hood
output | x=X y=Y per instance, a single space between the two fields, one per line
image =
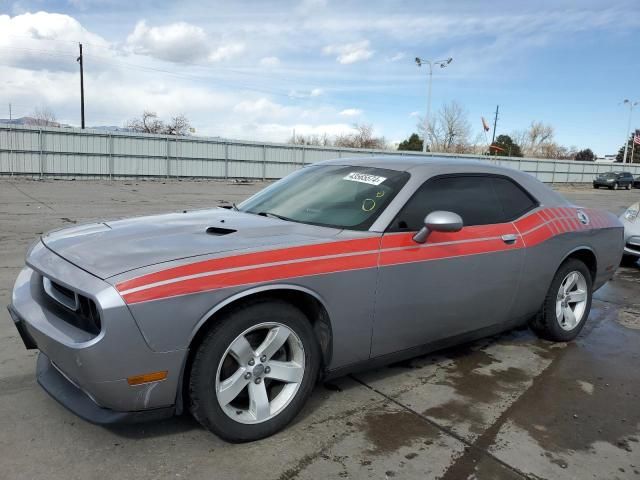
x=111 y=248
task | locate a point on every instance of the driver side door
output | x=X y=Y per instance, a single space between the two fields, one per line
x=456 y=282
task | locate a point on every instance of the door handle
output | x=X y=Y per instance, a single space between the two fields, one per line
x=509 y=238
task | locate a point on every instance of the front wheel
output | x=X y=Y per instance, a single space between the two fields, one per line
x=567 y=304
x=615 y=186
x=254 y=371
x=629 y=186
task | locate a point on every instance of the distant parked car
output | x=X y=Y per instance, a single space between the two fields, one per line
x=614 y=180
x=631 y=234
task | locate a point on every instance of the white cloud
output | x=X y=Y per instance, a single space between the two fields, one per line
x=226 y=52
x=414 y=114
x=397 y=57
x=315 y=92
x=351 y=112
x=350 y=52
x=270 y=61
x=46 y=41
x=177 y=42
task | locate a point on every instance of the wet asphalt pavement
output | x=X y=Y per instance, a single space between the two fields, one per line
x=509 y=406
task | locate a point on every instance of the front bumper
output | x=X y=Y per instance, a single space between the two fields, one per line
x=77 y=401
x=91 y=371
x=632 y=245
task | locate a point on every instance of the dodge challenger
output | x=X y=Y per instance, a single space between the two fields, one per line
x=233 y=314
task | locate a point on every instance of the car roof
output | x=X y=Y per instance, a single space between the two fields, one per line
x=400 y=162
x=423 y=167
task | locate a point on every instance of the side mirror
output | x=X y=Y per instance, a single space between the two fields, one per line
x=438 y=221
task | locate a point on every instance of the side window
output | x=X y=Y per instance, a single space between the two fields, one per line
x=514 y=200
x=471 y=197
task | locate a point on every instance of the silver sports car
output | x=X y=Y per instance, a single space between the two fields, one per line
x=631 y=225
x=234 y=314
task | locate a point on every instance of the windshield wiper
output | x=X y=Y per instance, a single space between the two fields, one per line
x=275 y=215
x=234 y=206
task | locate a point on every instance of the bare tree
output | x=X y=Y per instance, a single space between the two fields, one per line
x=538 y=141
x=150 y=123
x=315 y=139
x=362 y=138
x=449 y=130
x=178 y=125
x=43 y=116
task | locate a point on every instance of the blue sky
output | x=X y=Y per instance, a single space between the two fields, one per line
x=259 y=69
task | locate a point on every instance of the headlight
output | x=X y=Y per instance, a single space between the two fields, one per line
x=632 y=212
x=609 y=179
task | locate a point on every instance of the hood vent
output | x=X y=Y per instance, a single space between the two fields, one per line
x=217 y=231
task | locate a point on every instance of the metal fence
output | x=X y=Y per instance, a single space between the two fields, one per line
x=59 y=152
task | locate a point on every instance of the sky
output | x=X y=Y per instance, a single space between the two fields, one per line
x=258 y=69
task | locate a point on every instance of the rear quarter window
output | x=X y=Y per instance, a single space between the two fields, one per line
x=515 y=201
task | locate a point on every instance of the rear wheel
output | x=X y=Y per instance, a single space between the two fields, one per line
x=254 y=371
x=567 y=304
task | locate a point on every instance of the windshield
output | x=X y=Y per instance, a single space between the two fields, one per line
x=329 y=195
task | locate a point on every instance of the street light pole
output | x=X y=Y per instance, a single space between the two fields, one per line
x=431 y=63
x=626 y=135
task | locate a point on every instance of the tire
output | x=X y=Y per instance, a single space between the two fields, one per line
x=596 y=187
x=547 y=324
x=615 y=186
x=629 y=260
x=628 y=186
x=215 y=364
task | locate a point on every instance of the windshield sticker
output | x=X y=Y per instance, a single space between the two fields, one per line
x=365 y=178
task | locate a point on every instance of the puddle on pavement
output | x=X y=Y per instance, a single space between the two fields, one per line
x=629 y=318
x=562 y=415
x=388 y=431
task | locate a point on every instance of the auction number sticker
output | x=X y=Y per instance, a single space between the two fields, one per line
x=365 y=178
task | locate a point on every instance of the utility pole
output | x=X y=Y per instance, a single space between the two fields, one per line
x=626 y=133
x=80 y=59
x=431 y=63
x=10 y=141
x=495 y=122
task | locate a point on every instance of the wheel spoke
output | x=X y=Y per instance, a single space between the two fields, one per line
x=576 y=296
x=569 y=317
x=259 y=401
x=288 y=372
x=241 y=350
x=274 y=340
x=230 y=388
x=570 y=282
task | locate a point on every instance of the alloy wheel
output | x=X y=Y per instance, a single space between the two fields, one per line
x=260 y=373
x=571 y=300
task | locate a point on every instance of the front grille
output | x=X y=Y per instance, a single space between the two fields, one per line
x=72 y=307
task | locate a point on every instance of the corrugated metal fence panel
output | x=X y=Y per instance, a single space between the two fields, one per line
x=65 y=151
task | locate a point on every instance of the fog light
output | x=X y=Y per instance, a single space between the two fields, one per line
x=147 y=378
